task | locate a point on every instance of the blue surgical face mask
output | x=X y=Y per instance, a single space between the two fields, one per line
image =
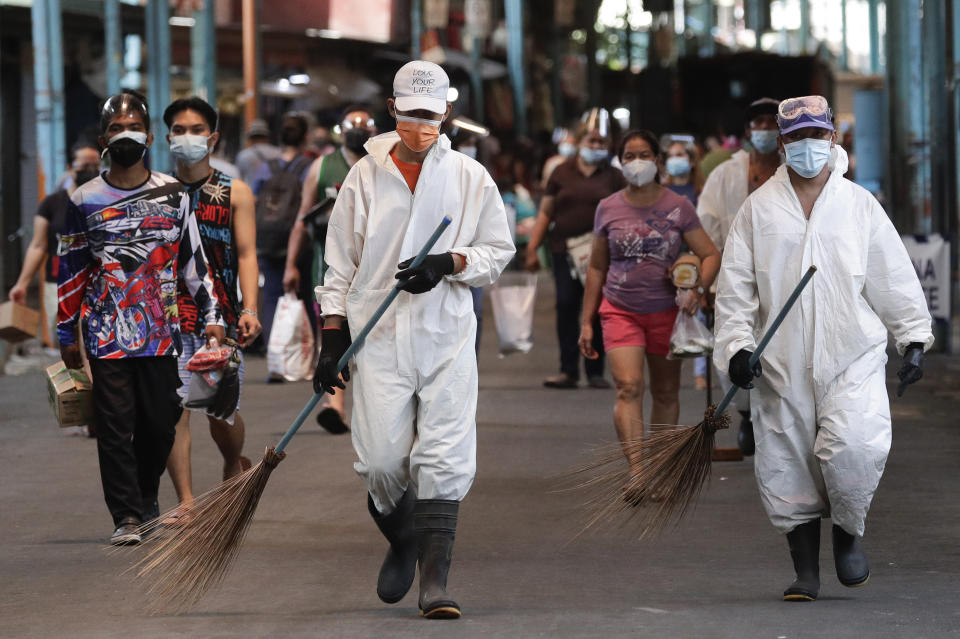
x=764 y=140
x=678 y=165
x=469 y=151
x=188 y=148
x=808 y=157
x=593 y=156
x=566 y=149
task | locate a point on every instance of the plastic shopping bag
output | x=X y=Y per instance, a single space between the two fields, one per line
x=290 y=349
x=513 y=297
x=214 y=380
x=690 y=338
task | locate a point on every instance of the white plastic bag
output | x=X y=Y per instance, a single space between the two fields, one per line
x=290 y=349
x=513 y=297
x=690 y=338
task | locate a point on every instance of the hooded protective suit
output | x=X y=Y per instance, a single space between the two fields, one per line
x=415 y=378
x=820 y=410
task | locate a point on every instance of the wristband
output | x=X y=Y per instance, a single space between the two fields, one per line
x=247 y=311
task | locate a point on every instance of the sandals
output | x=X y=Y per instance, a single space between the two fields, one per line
x=560 y=381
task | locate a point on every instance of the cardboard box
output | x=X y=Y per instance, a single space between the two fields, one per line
x=71 y=395
x=18 y=322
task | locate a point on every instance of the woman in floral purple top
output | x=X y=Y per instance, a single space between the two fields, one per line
x=638 y=234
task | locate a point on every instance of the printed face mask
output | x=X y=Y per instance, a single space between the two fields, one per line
x=640 y=172
x=679 y=165
x=127 y=148
x=593 y=156
x=764 y=140
x=807 y=157
x=188 y=148
x=566 y=149
x=418 y=134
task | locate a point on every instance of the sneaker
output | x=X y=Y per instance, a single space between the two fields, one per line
x=126 y=533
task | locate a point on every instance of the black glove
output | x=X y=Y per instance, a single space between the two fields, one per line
x=741 y=373
x=335 y=342
x=424 y=277
x=912 y=368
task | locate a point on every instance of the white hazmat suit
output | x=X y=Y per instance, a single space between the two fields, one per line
x=415 y=377
x=820 y=409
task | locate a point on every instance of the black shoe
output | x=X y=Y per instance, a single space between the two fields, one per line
x=436 y=524
x=561 y=381
x=745 y=437
x=849 y=558
x=126 y=533
x=400 y=565
x=804 y=543
x=332 y=422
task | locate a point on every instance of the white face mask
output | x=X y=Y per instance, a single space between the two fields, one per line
x=640 y=172
x=189 y=148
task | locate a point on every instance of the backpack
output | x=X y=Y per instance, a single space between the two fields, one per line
x=277 y=206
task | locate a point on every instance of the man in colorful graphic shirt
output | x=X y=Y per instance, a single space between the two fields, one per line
x=223 y=208
x=129 y=234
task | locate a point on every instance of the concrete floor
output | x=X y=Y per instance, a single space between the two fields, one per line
x=309 y=565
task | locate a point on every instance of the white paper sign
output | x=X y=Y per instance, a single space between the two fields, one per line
x=477 y=17
x=931 y=260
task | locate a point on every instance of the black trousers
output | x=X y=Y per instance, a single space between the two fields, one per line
x=569 y=305
x=137 y=408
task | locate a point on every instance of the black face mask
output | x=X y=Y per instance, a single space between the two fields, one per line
x=291 y=136
x=126 y=152
x=354 y=140
x=82 y=177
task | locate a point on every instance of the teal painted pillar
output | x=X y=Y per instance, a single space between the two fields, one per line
x=113 y=40
x=203 y=54
x=909 y=157
x=48 y=91
x=874 y=19
x=804 y=26
x=844 y=59
x=416 y=27
x=158 y=67
x=514 y=14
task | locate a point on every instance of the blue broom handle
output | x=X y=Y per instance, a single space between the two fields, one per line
x=302 y=417
x=722 y=406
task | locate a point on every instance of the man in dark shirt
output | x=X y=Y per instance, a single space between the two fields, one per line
x=567 y=210
x=47 y=226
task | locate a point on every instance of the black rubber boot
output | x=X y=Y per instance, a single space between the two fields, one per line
x=804 y=543
x=745 y=436
x=400 y=565
x=849 y=558
x=436 y=524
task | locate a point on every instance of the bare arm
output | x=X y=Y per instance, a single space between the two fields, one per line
x=704 y=248
x=593 y=293
x=245 y=238
x=544 y=217
x=308 y=197
x=33 y=261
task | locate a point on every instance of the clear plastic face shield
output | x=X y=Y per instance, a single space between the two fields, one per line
x=120 y=105
x=597 y=119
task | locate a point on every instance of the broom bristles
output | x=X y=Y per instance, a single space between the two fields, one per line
x=194 y=554
x=675 y=464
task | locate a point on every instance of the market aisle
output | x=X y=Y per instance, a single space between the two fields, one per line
x=309 y=564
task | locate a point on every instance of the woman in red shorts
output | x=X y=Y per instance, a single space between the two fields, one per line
x=638 y=234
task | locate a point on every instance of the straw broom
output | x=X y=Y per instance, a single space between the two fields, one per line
x=675 y=461
x=194 y=554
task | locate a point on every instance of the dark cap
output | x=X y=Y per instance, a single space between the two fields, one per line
x=763 y=106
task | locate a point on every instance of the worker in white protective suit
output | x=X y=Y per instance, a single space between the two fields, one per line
x=820 y=407
x=415 y=377
x=725 y=191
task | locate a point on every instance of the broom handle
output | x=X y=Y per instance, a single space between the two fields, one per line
x=722 y=406
x=302 y=417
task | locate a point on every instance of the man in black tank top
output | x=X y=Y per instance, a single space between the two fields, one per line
x=225 y=217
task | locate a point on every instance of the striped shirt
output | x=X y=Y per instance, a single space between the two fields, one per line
x=121 y=253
